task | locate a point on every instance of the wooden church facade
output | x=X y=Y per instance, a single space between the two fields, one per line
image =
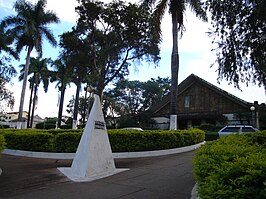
x=200 y=102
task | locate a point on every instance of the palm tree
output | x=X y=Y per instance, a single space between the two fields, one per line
x=39 y=68
x=62 y=75
x=28 y=28
x=76 y=50
x=40 y=74
x=177 y=9
x=79 y=76
x=5 y=42
x=31 y=81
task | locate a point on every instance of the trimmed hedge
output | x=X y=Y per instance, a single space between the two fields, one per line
x=141 y=140
x=120 y=140
x=32 y=141
x=2 y=143
x=233 y=166
x=67 y=142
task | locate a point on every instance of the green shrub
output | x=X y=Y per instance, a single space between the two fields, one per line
x=209 y=127
x=66 y=126
x=209 y=136
x=2 y=143
x=121 y=140
x=45 y=125
x=67 y=142
x=233 y=166
x=132 y=140
x=31 y=141
x=60 y=131
x=18 y=131
x=3 y=126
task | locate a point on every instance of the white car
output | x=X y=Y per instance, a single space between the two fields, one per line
x=231 y=129
x=133 y=128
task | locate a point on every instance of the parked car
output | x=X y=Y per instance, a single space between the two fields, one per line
x=231 y=129
x=133 y=128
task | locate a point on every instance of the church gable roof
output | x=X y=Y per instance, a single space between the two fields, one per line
x=192 y=80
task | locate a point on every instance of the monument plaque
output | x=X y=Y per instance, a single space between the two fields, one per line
x=99 y=125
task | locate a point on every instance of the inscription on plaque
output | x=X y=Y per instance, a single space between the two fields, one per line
x=99 y=125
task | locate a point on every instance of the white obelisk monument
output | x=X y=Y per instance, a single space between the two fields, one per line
x=93 y=159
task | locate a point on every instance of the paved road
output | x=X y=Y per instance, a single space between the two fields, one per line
x=163 y=177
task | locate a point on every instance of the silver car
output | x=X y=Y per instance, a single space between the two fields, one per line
x=231 y=129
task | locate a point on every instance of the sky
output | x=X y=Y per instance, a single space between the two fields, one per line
x=194 y=51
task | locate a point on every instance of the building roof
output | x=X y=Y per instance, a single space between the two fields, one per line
x=189 y=81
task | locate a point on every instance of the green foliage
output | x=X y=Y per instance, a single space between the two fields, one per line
x=209 y=127
x=66 y=126
x=211 y=131
x=67 y=142
x=45 y=125
x=2 y=143
x=239 y=29
x=4 y=126
x=120 y=140
x=31 y=141
x=233 y=166
x=131 y=99
x=132 y=140
x=209 y=136
x=7 y=72
x=18 y=131
x=129 y=30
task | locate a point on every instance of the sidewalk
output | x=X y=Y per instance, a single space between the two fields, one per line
x=160 y=177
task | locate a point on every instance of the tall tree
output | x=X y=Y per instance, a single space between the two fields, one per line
x=77 y=51
x=84 y=104
x=239 y=32
x=6 y=73
x=31 y=86
x=61 y=74
x=28 y=28
x=118 y=34
x=130 y=99
x=154 y=90
x=40 y=74
x=177 y=9
x=5 y=42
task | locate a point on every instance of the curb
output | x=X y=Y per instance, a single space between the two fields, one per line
x=69 y=156
x=194 y=194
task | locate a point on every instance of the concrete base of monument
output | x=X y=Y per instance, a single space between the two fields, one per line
x=72 y=176
x=93 y=158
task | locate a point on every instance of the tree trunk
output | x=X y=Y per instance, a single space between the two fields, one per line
x=61 y=103
x=34 y=104
x=174 y=75
x=100 y=85
x=85 y=107
x=24 y=86
x=76 y=107
x=29 y=111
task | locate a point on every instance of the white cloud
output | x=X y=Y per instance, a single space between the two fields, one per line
x=65 y=10
x=7 y=4
x=194 y=39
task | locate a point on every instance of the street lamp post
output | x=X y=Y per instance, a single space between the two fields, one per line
x=255 y=114
x=252 y=109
